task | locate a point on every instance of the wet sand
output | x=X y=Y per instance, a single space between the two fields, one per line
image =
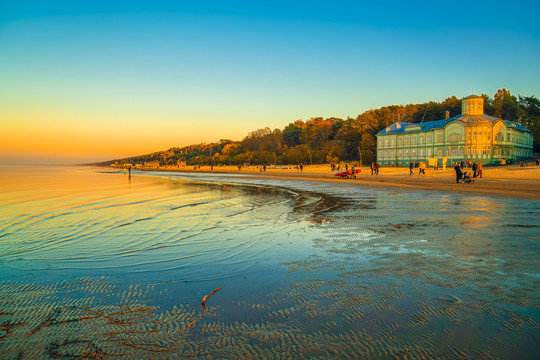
x=94 y=262
x=508 y=181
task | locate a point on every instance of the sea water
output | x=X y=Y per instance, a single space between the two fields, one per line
x=97 y=263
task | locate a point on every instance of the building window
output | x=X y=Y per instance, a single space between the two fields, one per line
x=439 y=152
x=454 y=152
x=399 y=141
x=413 y=152
x=393 y=141
x=393 y=153
x=385 y=142
x=439 y=138
x=406 y=140
x=454 y=138
x=421 y=152
x=429 y=152
x=406 y=152
x=429 y=139
x=461 y=151
x=399 y=152
x=413 y=140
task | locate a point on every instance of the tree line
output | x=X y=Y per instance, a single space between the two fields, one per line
x=326 y=140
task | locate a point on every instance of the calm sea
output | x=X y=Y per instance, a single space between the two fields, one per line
x=96 y=263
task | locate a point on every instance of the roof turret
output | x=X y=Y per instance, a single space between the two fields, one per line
x=472 y=105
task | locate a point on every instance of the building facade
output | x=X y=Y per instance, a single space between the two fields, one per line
x=472 y=135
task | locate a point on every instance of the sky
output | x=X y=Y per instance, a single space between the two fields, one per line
x=87 y=81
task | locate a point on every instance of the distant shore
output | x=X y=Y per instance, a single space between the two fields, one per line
x=508 y=181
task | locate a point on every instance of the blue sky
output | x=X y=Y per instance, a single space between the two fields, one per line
x=124 y=78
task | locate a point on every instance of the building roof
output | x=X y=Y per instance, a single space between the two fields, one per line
x=397 y=128
x=516 y=126
x=402 y=127
x=472 y=97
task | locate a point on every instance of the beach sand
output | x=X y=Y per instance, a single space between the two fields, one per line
x=508 y=181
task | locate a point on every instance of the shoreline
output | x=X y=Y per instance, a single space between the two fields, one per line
x=509 y=181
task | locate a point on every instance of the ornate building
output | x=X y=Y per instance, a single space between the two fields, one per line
x=472 y=135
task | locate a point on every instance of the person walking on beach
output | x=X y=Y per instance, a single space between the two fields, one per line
x=457 y=168
x=480 y=170
x=411 y=167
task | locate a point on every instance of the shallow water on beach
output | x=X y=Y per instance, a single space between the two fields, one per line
x=94 y=263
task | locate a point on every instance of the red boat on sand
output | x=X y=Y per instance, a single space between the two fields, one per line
x=350 y=173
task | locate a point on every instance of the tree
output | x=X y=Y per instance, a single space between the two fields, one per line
x=453 y=105
x=505 y=105
x=349 y=137
x=530 y=105
x=273 y=143
x=292 y=135
x=368 y=147
x=319 y=133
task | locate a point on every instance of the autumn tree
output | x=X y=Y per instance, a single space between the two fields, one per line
x=368 y=148
x=348 y=137
x=273 y=143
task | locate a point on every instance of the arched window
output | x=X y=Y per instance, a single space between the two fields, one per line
x=454 y=137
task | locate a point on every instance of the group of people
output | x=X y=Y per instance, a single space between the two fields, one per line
x=421 y=168
x=337 y=167
x=477 y=169
x=374 y=166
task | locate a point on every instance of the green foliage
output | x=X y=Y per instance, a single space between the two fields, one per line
x=292 y=135
x=320 y=140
